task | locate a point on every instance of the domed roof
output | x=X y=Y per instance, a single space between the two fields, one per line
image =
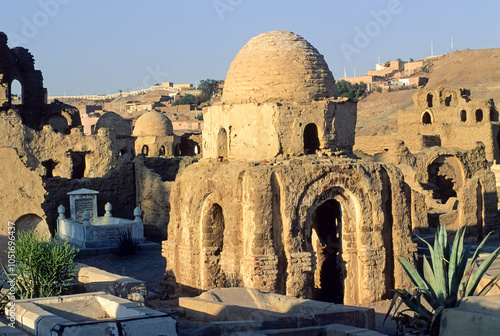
x=153 y=123
x=278 y=66
x=115 y=122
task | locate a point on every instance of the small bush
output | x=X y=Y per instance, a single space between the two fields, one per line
x=127 y=245
x=44 y=267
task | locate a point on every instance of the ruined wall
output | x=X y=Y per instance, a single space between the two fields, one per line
x=18 y=64
x=264 y=131
x=456 y=118
x=267 y=227
x=446 y=118
x=154 y=179
x=448 y=187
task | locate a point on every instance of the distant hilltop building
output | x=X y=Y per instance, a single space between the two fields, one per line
x=393 y=73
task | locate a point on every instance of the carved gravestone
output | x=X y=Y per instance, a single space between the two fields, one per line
x=82 y=200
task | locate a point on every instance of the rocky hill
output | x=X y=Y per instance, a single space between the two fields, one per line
x=477 y=70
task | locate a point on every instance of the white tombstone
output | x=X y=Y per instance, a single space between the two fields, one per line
x=82 y=200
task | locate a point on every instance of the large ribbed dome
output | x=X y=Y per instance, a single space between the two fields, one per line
x=115 y=122
x=153 y=123
x=278 y=66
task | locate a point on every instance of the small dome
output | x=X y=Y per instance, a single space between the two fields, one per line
x=115 y=122
x=153 y=123
x=278 y=66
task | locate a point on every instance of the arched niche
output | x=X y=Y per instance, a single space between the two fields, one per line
x=311 y=139
x=222 y=144
x=212 y=226
x=446 y=176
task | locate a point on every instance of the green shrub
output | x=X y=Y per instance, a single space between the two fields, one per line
x=444 y=284
x=44 y=267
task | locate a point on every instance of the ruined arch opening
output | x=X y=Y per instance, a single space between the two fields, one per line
x=79 y=165
x=426 y=118
x=16 y=92
x=493 y=114
x=49 y=166
x=463 y=116
x=479 y=115
x=445 y=178
x=145 y=150
x=162 y=151
x=311 y=139
x=327 y=243
x=447 y=101
x=213 y=244
x=430 y=97
x=222 y=147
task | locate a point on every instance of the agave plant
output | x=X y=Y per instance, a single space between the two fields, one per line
x=450 y=278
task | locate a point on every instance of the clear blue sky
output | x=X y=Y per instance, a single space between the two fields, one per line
x=90 y=46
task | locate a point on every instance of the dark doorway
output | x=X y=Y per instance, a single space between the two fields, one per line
x=49 y=167
x=329 y=282
x=426 y=118
x=463 y=116
x=442 y=179
x=430 y=97
x=311 y=140
x=79 y=165
x=479 y=115
x=447 y=101
x=162 y=151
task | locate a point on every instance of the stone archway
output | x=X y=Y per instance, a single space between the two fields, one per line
x=16 y=93
x=326 y=241
x=33 y=222
x=341 y=249
x=445 y=177
x=426 y=118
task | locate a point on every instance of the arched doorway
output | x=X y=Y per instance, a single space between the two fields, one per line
x=445 y=178
x=222 y=148
x=212 y=244
x=311 y=139
x=326 y=242
x=426 y=118
x=463 y=116
x=479 y=115
x=430 y=97
x=16 y=93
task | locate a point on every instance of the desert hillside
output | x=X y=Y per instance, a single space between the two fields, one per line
x=477 y=70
